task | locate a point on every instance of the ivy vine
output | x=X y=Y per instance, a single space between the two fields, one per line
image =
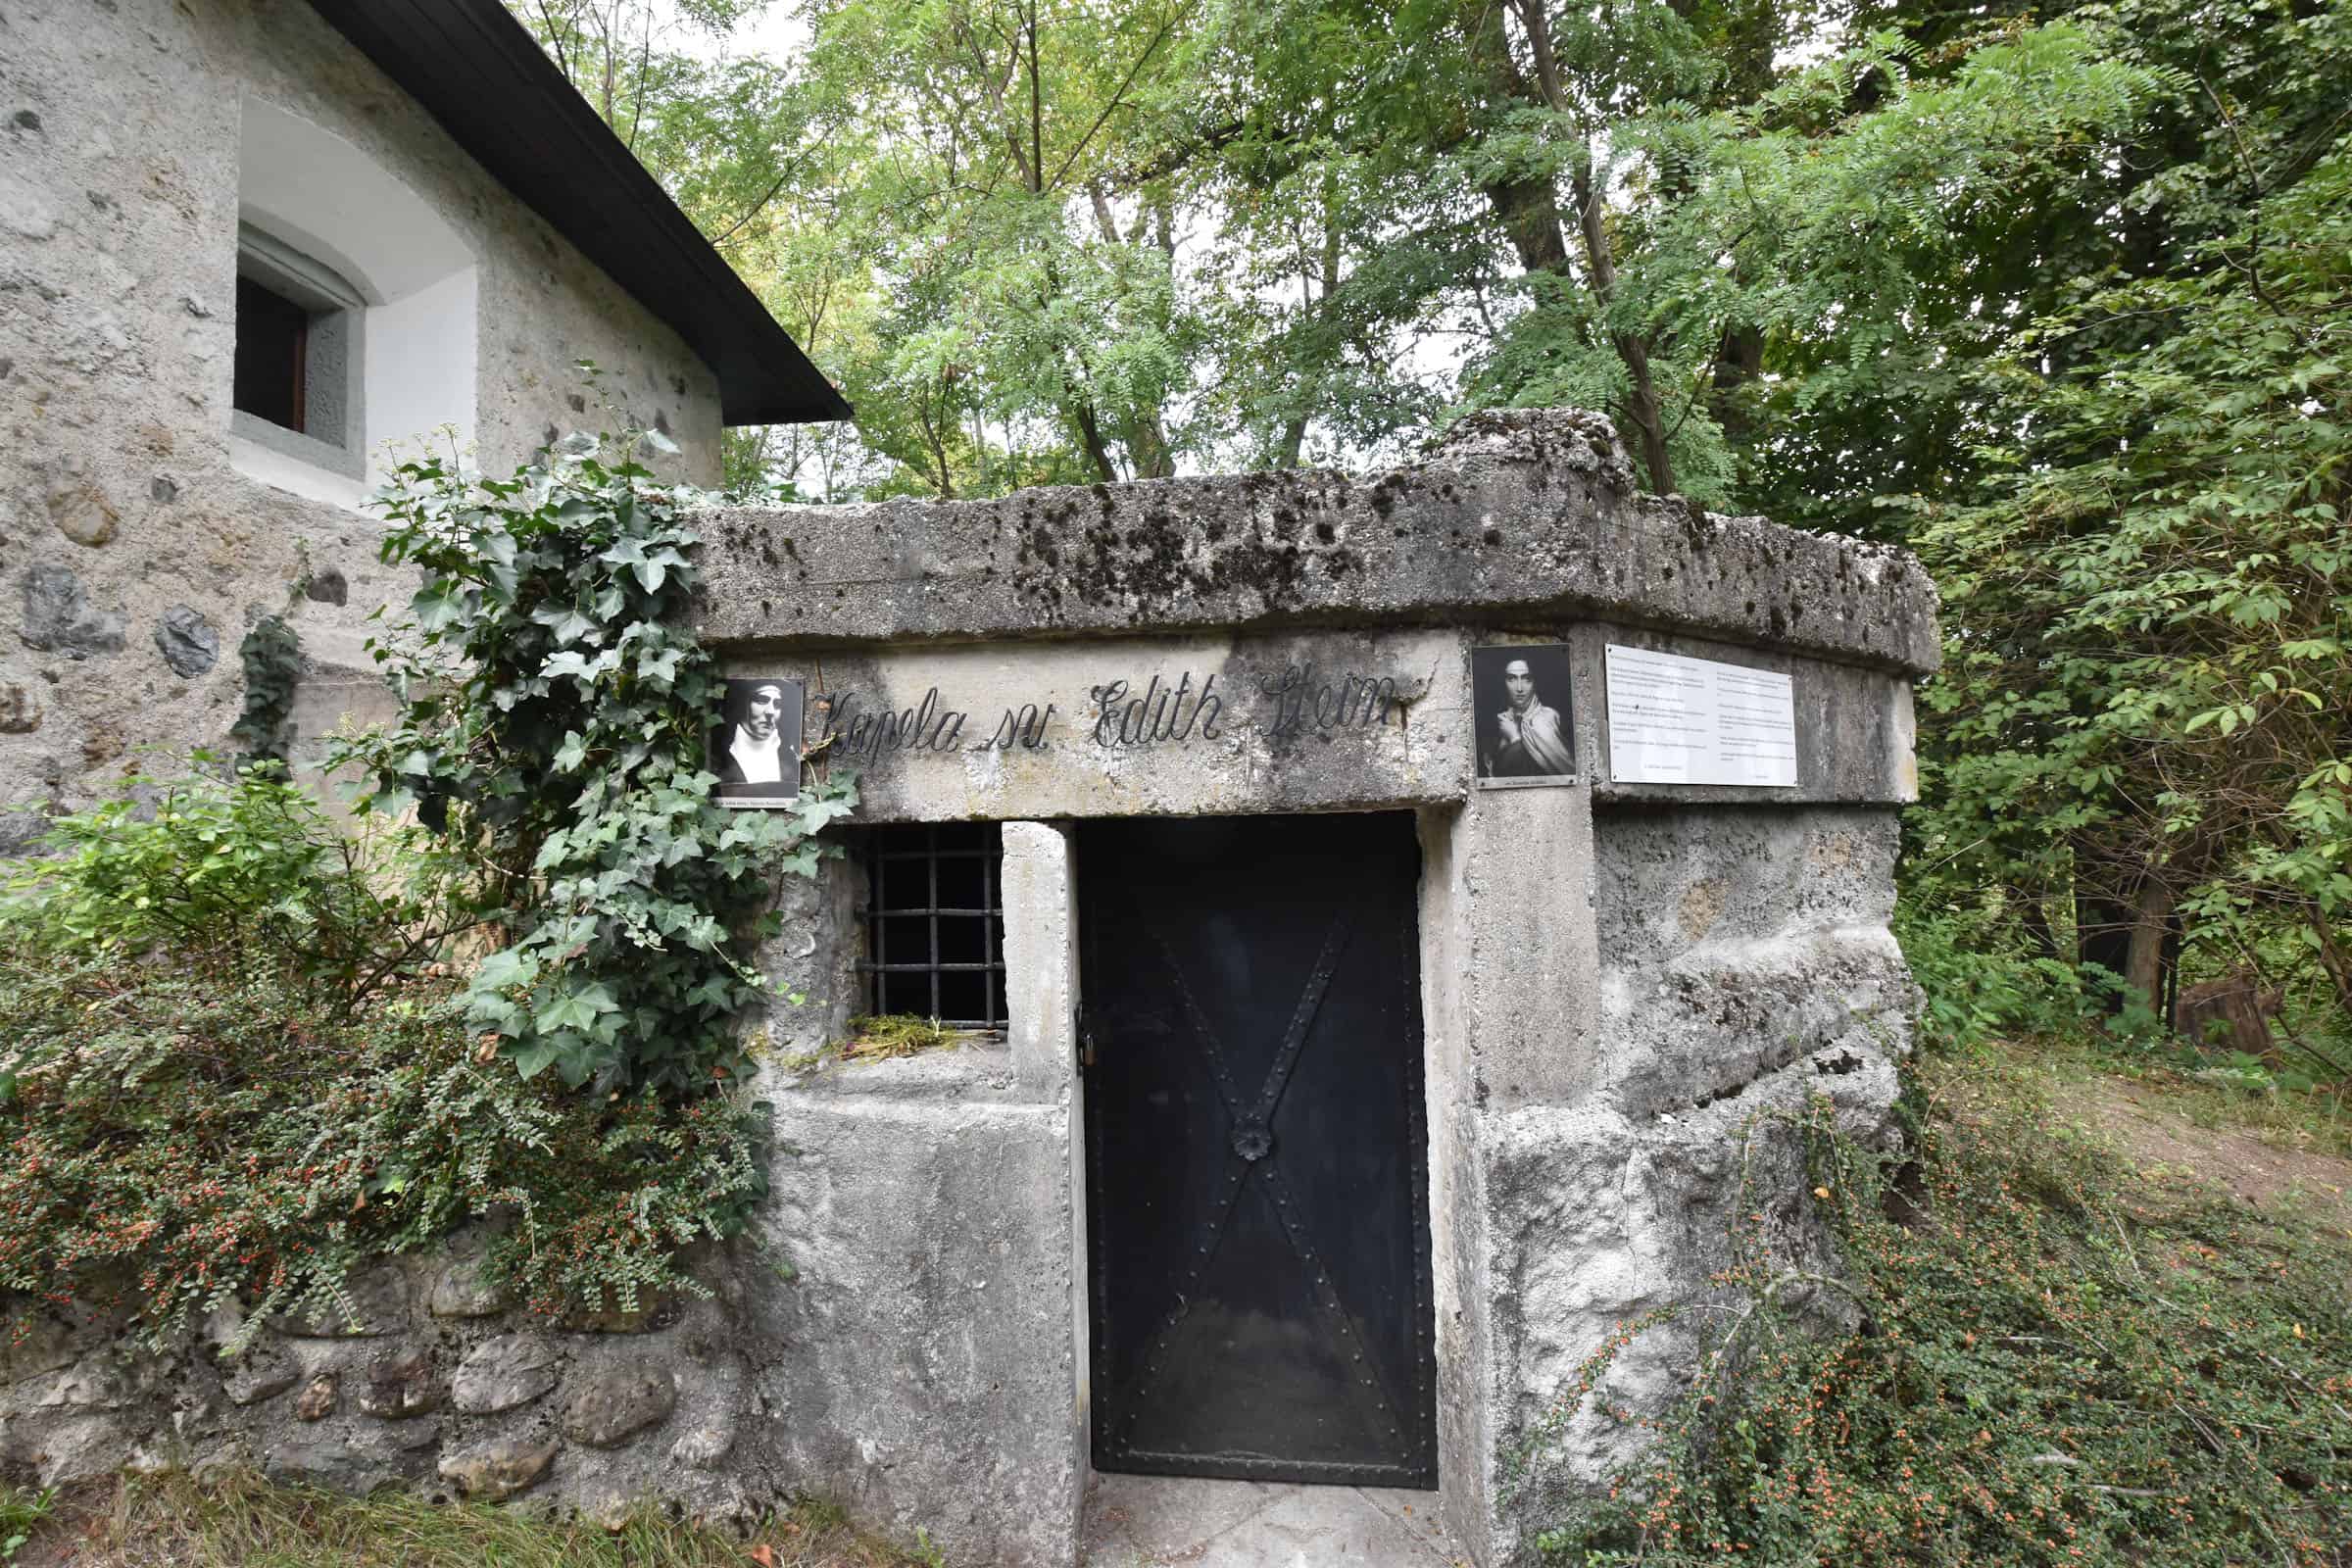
x=556 y=714
x=272 y=656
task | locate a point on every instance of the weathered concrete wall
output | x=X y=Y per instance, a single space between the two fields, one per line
x=1744 y=964
x=1308 y=721
x=1517 y=519
x=927 y=1376
x=132 y=555
x=1620 y=981
x=931 y=1213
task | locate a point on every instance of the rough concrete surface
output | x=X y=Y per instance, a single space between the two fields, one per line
x=1744 y=966
x=1161 y=1521
x=1516 y=517
x=1298 y=721
x=1160 y=727
x=925 y=1374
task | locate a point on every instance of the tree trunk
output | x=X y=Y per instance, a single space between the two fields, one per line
x=1294 y=429
x=2144 y=965
x=1090 y=436
x=2036 y=921
x=2334 y=958
x=1642 y=406
x=1148 y=445
x=1739 y=359
x=2103 y=937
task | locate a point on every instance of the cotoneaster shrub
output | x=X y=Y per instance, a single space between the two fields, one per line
x=2054 y=1364
x=221 y=1107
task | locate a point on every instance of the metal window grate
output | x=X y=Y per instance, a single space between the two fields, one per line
x=934 y=918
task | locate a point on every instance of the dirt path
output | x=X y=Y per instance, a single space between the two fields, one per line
x=2268 y=1173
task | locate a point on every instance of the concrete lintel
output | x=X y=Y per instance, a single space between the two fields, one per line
x=1040 y=958
x=1515 y=515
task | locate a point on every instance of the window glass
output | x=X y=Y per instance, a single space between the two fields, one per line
x=272 y=338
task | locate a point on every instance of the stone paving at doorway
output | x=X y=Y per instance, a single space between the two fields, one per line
x=1157 y=1522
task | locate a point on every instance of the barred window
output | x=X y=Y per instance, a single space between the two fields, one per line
x=935 y=923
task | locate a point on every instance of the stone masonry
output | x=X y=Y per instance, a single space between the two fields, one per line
x=133 y=557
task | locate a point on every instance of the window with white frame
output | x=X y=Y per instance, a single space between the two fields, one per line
x=355 y=320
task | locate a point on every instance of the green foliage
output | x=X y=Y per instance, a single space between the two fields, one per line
x=2147 y=696
x=245 y=863
x=22 y=1509
x=1979 y=984
x=240 y=1051
x=554 y=722
x=191 y=1129
x=2055 y=294
x=2051 y=1364
x=272 y=656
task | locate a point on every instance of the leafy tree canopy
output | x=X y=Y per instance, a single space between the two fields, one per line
x=2053 y=293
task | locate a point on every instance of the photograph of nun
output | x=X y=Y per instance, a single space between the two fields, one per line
x=756 y=747
x=1521 y=692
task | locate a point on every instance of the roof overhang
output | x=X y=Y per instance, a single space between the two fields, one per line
x=484 y=77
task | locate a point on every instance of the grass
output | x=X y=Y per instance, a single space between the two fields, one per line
x=21 y=1511
x=243 y=1522
x=881 y=1038
x=2317 y=1120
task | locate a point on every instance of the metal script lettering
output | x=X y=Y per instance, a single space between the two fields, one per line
x=1157 y=714
x=1354 y=701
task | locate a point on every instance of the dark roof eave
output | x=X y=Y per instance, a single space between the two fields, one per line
x=480 y=74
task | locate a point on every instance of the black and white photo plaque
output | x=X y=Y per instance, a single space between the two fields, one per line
x=1525 y=734
x=756 y=746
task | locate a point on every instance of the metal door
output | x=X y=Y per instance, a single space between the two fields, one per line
x=1256 y=1163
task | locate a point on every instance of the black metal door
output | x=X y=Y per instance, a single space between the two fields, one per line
x=1256 y=1164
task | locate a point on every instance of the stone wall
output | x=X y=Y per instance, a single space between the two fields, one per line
x=132 y=555
x=432 y=1384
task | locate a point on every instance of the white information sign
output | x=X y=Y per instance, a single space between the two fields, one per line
x=1677 y=721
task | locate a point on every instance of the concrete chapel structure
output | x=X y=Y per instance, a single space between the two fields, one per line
x=1347 y=1090
x=1384 y=908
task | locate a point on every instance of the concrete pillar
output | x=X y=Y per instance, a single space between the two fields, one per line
x=1527 y=952
x=1040 y=958
x=1510 y=1000
x=1040 y=889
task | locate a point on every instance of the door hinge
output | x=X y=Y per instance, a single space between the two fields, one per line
x=1082 y=1027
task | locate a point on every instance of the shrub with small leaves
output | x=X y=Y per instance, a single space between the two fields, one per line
x=178 y=1137
x=245 y=863
x=2053 y=1363
x=240 y=1051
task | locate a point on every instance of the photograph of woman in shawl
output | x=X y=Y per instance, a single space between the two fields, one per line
x=1523 y=711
